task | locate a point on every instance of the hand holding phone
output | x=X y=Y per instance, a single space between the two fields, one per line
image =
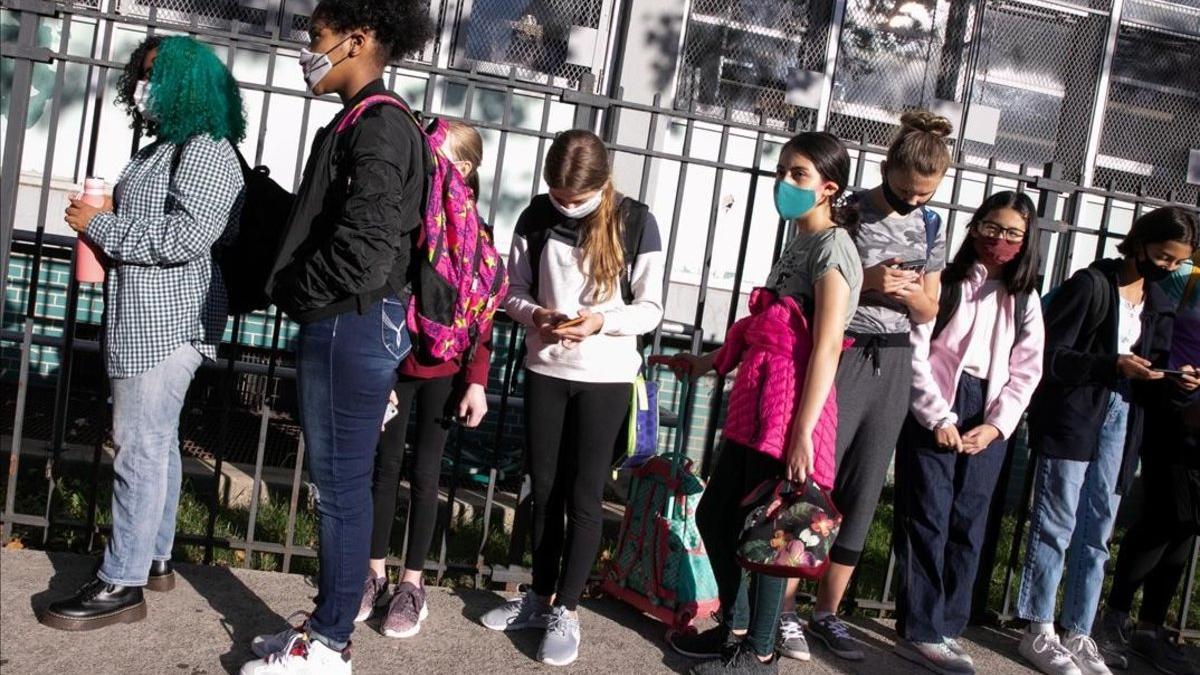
x=917 y=265
x=569 y=323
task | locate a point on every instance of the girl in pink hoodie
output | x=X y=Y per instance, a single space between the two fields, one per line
x=974 y=371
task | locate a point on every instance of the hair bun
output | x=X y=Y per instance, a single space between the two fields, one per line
x=930 y=123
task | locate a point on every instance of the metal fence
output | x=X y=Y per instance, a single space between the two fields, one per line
x=683 y=154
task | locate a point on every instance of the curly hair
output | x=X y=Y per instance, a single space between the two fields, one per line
x=191 y=91
x=401 y=27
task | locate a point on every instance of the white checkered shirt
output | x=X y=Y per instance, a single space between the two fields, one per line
x=163 y=289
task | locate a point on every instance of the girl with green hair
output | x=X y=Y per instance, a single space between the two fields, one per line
x=165 y=304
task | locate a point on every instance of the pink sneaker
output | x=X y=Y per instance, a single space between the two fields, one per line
x=405 y=612
x=373 y=587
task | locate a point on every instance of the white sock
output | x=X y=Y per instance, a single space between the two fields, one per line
x=1071 y=635
x=819 y=615
x=1038 y=628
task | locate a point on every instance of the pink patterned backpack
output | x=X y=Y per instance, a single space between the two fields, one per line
x=461 y=280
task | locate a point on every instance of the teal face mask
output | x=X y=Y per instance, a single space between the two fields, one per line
x=792 y=202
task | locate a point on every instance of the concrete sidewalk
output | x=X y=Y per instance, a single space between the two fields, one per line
x=204 y=627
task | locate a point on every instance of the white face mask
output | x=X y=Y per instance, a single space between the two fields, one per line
x=141 y=100
x=317 y=66
x=580 y=210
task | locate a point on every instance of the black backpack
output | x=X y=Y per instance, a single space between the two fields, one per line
x=633 y=216
x=243 y=259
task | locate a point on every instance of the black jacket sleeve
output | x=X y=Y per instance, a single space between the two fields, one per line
x=371 y=234
x=1066 y=318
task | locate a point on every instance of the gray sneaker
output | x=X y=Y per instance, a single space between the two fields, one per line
x=524 y=611
x=935 y=656
x=1112 y=637
x=792 y=642
x=373 y=587
x=264 y=645
x=560 y=644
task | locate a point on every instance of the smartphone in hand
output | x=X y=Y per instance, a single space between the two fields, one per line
x=390 y=413
x=912 y=265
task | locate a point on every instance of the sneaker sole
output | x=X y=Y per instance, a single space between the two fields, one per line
x=130 y=614
x=508 y=627
x=913 y=656
x=794 y=654
x=694 y=655
x=416 y=628
x=162 y=583
x=842 y=654
x=567 y=662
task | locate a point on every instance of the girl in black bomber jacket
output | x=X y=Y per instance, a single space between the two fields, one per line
x=1108 y=330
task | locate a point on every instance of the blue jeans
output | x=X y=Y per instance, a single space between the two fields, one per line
x=147 y=469
x=345 y=367
x=942 y=502
x=1074 y=508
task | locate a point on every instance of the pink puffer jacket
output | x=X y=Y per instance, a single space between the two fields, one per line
x=770 y=349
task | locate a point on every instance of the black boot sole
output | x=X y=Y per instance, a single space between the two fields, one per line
x=130 y=614
x=161 y=583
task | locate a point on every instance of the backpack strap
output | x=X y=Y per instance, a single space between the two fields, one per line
x=1193 y=283
x=633 y=219
x=367 y=103
x=933 y=226
x=947 y=305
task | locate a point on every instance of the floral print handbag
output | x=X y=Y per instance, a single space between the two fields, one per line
x=790 y=529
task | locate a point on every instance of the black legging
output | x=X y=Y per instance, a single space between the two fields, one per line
x=749 y=601
x=1155 y=551
x=433 y=398
x=570 y=431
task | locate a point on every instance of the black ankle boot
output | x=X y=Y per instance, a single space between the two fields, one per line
x=96 y=605
x=162 y=576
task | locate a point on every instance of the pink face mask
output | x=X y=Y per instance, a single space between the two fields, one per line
x=996 y=251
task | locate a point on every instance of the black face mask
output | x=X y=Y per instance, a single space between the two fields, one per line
x=895 y=202
x=1149 y=271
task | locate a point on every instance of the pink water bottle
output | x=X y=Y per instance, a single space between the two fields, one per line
x=88 y=269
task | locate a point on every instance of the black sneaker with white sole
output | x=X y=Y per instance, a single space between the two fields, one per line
x=833 y=633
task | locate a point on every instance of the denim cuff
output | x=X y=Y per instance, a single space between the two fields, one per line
x=332 y=644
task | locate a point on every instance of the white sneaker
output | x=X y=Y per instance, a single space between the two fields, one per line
x=956 y=647
x=1087 y=655
x=1047 y=654
x=936 y=656
x=301 y=656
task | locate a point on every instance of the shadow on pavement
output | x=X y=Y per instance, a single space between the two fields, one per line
x=241 y=613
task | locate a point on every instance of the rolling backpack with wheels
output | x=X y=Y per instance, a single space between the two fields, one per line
x=660 y=565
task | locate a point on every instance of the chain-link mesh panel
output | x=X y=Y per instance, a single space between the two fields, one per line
x=1153 y=114
x=1177 y=16
x=534 y=38
x=1039 y=67
x=740 y=54
x=252 y=17
x=896 y=55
